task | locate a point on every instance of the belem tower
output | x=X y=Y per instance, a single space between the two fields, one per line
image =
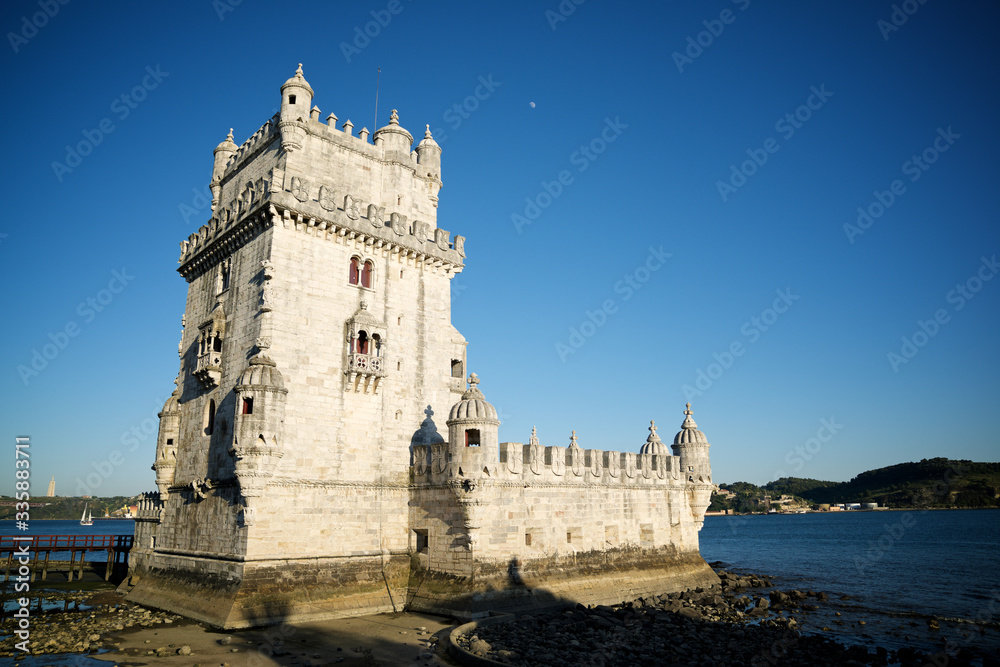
x=326 y=452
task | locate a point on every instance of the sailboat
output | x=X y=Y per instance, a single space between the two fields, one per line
x=87 y=519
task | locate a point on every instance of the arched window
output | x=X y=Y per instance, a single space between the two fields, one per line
x=352 y=275
x=366 y=274
x=377 y=344
x=210 y=417
x=362 y=342
x=472 y=437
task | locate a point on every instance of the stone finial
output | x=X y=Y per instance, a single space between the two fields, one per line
x=298 y=72
x=393 y=118
x=348 y=127
x=427 y=132
x=573 y=442
x=533 y=440
x=229 y=137
x=473 y=380
x=363 y=134
x=331 y=120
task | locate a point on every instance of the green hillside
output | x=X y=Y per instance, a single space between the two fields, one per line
x=937 y=482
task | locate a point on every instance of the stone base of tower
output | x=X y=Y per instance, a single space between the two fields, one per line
x=233 y=595
x=605 y=577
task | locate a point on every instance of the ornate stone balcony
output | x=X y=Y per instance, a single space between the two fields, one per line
x=209 y=369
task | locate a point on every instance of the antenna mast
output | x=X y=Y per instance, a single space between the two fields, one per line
x=377 y=78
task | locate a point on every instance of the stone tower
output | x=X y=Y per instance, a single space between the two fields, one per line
x=301 y=471
x=317 y=347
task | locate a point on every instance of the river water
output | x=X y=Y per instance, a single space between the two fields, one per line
x=898 y=567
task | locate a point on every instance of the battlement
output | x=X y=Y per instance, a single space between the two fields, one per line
x=536 y=464
x=328 y=182
x=149 y=507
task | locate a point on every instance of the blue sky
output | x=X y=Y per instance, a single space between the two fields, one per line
x=677 y=183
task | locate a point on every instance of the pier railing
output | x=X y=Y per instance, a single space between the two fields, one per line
x=42 y=547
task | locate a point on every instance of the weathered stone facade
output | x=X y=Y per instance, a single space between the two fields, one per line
x=304 y=465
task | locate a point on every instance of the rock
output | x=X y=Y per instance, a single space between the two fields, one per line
x=479 y=647
x=94 y=638
x=184 y=650
x=777 y=597
x=226 y=641
x=762 y=603
x=690 y=612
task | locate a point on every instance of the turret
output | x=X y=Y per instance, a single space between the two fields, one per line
x=429 y=156
x=296 y=101
x=691 y=446
x=223 y=152
x=474 y=450
x=394 y=139
x=473 y=432
x=260 y=418
x=166 y=443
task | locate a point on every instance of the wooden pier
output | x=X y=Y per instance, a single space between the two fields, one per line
x=41 y=547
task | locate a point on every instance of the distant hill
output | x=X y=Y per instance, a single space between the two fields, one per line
x=937 y=482
x=65 y=508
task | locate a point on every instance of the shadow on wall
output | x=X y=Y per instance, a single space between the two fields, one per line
x=428 y=433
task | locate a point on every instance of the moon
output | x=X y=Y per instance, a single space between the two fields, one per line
x=532 y=104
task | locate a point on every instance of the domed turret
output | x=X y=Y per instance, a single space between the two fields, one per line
x=259 y=438
x=692 y=446
x=296 y=101
x=167 y=441
x=429 y=156
x=653 y=444
x=473 y=422
x=393 y=138
x=222 y=153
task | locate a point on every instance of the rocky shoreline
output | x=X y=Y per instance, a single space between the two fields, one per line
x=79 y=622
x=745 y=621
x=738 y=623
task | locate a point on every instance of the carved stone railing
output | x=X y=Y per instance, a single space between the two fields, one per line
x=366 y=364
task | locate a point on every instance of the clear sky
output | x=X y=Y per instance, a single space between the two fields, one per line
x=661 y=202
